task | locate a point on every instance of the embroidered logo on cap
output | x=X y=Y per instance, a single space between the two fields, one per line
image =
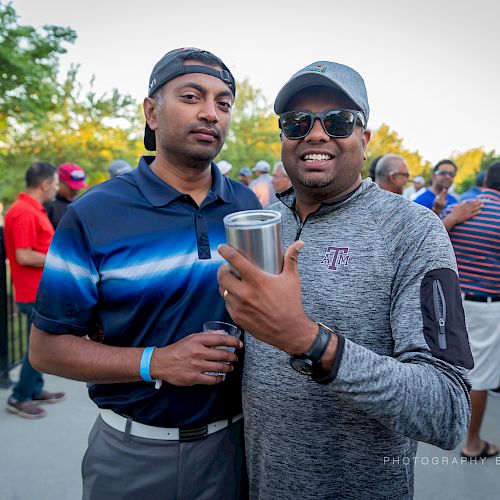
x=335 y=257
x=318 y=68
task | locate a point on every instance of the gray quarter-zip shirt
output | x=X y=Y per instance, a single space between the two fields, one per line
x=380 y=271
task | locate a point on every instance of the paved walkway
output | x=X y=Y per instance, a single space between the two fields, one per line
x=40 y=459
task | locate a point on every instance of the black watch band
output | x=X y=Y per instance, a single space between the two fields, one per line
x=309 y=363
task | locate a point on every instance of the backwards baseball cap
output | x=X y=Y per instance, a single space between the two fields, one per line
x=171 y=65
x=73 y=175
x=328 y=74
x=118 y=167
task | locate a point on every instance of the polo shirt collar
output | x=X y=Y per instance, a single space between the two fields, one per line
x=31 y=201
x=159 y=193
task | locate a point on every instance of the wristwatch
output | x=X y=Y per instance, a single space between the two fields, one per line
x=309 y=363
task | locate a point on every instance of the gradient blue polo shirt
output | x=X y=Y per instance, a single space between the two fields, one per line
x=139 y=259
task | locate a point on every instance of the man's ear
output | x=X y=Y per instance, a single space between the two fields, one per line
x=149 y=106
x=365 y=139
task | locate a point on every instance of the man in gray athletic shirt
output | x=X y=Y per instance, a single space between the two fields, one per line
x=335 y=410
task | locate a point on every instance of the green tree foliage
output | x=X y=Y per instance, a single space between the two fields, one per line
x=469 y=164
x=254 y=131
x=43 y=120
x=29 y=62
x=385 y=141
x=88 y=130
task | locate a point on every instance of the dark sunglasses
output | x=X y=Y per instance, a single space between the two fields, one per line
x=335 y=122
x=445 y=173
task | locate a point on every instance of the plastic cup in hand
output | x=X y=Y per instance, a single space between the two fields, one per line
x=222 y=329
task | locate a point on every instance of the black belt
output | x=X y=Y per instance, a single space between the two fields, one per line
x=482 y=298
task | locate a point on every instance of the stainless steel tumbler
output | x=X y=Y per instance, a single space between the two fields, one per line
x=258 y=235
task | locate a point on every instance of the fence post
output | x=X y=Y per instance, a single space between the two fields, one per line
x=4 y=337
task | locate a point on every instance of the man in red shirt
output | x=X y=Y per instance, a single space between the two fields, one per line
x=28 y=232
x=71 y=181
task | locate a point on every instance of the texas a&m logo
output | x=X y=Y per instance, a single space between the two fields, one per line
x=335 y=257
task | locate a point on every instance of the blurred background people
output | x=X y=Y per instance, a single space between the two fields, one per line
x=477 y=248
x=281 y=181
x=118 y=167
x=28 y=233
x=373 y=166
x=416 y=188
x=71 y=181
x=245 y=176
x=262 y=186
x=436 y=197
x=472 y=192
x=224 y=167
x=391 y=173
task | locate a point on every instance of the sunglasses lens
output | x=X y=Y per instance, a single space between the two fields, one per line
x=445 y=173
x=339 y=123
x=296 y=125
x=336 y=123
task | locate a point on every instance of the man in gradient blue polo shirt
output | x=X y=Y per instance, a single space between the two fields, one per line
x=135 y=258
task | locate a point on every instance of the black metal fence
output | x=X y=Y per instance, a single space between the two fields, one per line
x=13 y=324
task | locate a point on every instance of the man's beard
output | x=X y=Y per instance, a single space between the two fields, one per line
x=199 y=156
x=202 y=156
x=314 y=183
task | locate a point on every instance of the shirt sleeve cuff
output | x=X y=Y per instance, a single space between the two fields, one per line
x=52 y=326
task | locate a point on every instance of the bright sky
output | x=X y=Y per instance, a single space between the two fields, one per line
x=431 y=67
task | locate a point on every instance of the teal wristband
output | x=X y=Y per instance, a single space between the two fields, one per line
x=147 y=354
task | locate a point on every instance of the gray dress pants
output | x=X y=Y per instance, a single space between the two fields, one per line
x=117 y=466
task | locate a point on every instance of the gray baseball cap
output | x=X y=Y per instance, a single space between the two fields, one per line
x=329 y=74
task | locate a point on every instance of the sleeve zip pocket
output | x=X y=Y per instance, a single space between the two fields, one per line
x=440 y=312
x=443 y=319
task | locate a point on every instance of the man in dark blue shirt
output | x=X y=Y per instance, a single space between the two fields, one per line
x=135 y=259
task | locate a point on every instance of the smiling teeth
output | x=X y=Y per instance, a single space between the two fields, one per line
x=317 y=157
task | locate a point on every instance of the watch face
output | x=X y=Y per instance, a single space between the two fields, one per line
x=304 y=366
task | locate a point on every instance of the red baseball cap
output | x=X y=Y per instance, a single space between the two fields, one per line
x=72 y=175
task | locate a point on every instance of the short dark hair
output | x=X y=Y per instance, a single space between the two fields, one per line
x=39 y=172
x=493 y=176
x=444 y=162
x=373 y=167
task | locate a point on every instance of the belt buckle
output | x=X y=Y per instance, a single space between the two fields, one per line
x=193 y=434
